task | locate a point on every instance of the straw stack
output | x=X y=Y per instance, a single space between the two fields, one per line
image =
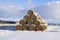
x=22 y=22
x=19 y=27
x=32 y=21
x=26 y=17
x=32 y=27
x=25 y=27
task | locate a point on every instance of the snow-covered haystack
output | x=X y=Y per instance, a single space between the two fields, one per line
x=32 y=21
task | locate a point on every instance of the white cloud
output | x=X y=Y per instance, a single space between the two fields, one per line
x=49 y=10
x=54 y=8
x=30 y=4
x=11 y=12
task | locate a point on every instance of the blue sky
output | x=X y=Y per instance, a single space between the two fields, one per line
x=23 y=3
x=16 y=9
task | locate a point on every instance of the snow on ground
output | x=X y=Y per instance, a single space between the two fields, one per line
x=5 y=32
x=52 y=33
x=32 y=35
x=53 y=29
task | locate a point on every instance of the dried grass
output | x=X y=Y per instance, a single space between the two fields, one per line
x=19 y=27
x=32 y=27
x=22 y=22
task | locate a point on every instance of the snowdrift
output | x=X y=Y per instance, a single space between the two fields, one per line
x=52 y=33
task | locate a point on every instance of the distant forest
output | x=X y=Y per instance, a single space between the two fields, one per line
x=54 y=24
x=7 y=22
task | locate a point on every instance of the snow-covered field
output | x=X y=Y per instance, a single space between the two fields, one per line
x=52 y=33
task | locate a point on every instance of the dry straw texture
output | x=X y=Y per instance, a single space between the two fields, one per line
x=22 y=22
x=25 y=27
x=40 y=28
x=26 y=17
x=30 y=13
x=37 y=22
x=33 y=17
x=31 y=22
x=32 y=27
x=19 y=27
